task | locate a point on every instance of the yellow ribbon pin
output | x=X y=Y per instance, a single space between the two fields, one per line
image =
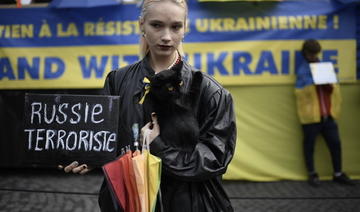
x=147 y=89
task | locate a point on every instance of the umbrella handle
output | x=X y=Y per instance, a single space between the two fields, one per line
x=135 y=130
x=146 y=140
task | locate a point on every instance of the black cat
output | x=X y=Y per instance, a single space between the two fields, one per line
x=175 y=108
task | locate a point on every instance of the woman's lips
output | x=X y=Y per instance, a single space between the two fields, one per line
x=164 y=47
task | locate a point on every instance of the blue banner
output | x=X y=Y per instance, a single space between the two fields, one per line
x=236 y=42
x=37 y=27
x=232 y=21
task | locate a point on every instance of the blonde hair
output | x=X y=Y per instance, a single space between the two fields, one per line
x=144 y=48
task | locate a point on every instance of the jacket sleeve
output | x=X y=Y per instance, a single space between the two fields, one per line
x=214 y=149
x=113 y=81
x=109 y=85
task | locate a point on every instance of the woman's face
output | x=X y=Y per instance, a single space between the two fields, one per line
x=164 y=27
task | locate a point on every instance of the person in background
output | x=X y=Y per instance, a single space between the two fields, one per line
x=191 y=176
x=318 y=106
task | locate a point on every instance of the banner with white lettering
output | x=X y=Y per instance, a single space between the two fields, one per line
x=60 y=129
x=236 y=42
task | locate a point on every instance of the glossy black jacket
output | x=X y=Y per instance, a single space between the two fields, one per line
x=191 y=180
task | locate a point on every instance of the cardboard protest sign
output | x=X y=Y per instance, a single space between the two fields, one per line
x=59 y=129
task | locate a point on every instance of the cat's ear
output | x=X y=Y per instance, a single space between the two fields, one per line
x=196 y=83
x=178 y=66
x=197 y=76
x=156 y=80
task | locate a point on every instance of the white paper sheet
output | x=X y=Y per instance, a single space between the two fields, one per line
x=323 y=73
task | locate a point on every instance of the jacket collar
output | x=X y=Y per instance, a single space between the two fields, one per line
x=146 y=67
x=145 y=71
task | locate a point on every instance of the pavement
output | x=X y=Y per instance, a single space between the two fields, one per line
x=48 y=190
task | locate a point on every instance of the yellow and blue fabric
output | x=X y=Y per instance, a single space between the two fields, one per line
x=307 y=101
x=303 y=75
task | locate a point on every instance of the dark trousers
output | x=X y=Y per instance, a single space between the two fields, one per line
x=329 y=130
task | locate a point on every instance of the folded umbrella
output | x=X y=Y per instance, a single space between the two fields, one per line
x=132 y=198
x=140 y=171
x=115 y=180
x=134 y=179
x=147 y=169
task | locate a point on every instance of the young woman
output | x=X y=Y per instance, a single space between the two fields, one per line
x=191 y=176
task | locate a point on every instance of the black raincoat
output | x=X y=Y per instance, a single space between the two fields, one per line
x=191 y=181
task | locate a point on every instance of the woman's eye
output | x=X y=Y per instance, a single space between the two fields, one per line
x=155 y=25
x=177 y=27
